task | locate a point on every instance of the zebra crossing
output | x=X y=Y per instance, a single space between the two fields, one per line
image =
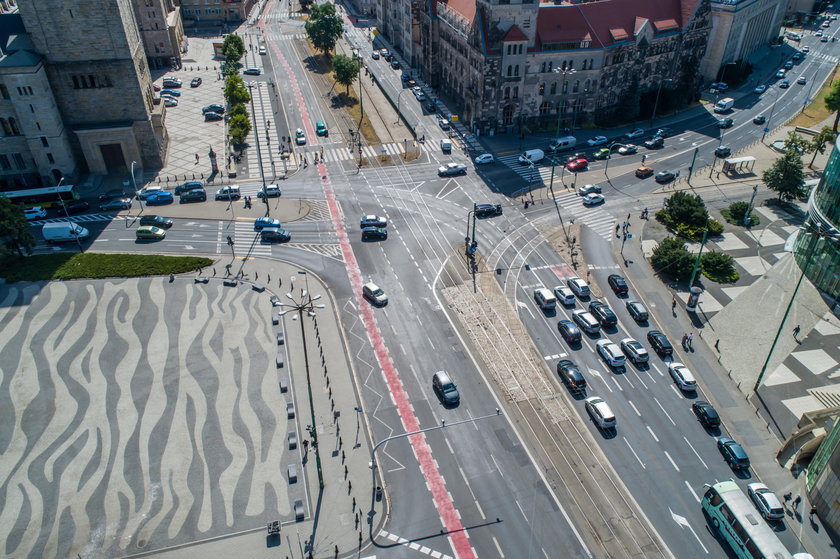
x=247 y=241
x=273 y=165
x=336 y=154
x=534 y=174
x=596 y=219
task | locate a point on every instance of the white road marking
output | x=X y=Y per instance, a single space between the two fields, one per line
x=695 y=453
x=498 y=547
x=527 y=307
x=683 y=522
x=634 y=453
x=674 y=464
x=652 y=434
x=665 y=412
x=632 y=405
x=522 y=511
x=691 y=490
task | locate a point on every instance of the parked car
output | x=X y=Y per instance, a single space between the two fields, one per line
x=766 y=501
x=445 y=388
x=195 y=82
x=569 y=331
x=261 y=222
x=395 y=64
x=682 y=376
x=269 y=191
x=589 y=189
x=600 y=412
x=733 y=453
x=488 y=210
x=73 y=207
x=644 y=172
x=373 y=221
x=637 y=311
x=706 y=414
x=252 y=71
x=593 y=199
x=116 y=204
x=170 y=92
x=170 y=102
x=597 y=141
x=634 y=351
x=571 y=375
x=214 y=108
x=603 y=313
x=172 y=82
x=659 y=342
x=160 y=198
x=197 y=195
x=156 y=221
x=114 y=193
x=211 y=116
x=189 y=185
x=150 y=232
x=484 y=158
x=618 y=284
x=35 y=212
x=664 y=176
x=443 y=123
x=374 y=233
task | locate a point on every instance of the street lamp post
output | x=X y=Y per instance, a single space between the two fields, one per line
x=304 y=302
x=251 y=86
x=134 y=185
x=772 y=110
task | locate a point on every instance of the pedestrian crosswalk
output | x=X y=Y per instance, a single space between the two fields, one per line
x=596 y=219
x=247 y=241
x=536 y=173
x=343 y=153
x=273 y=164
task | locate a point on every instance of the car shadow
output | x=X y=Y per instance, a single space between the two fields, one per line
x=742 y=474
x=609 y=433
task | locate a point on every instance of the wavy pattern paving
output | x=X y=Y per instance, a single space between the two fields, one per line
x=135 y=415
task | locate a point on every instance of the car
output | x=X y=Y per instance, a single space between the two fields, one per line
x=395 y=64
x=611 y=353
x=263 y=50
x=579 y=286
x=759 y=119
x=174 y=83
x=600 y=412
x=603 y=313
x=375 y=294
x=114 y=193
x=797 y=56
x=300 y=137
x=197 y=195
x=602 y=153
x=654 y=143
x=564 y=295
x=634 y=351
x=720 y=86
x=706 y=414
x=374 y=233
x=823 y=39
x=228 y=193
x=802 y=80
x=662 y=133
x=644 y=172
x=321 y=129
x=275 y=235
x=569 y=331
x=373 y=221
x=116 y=204
x=725 y=123
x=759 y=89
x=156 y=87
x=589 y=189
x=147 y=191
x=833 y=17
x=586 y=321
x=826 y=24
x=35 y=212
x=269 y=191
x=420 y=96
x=660 y=344
x=211 y=116
x=597 y=141
x=733 y=453
x=578 y=165
x=819 y=33
x=189 y=185
x=780 y=73
x=389 y=57
x=214 y=108
x=375 y=55
x=806 y=48
x=682 y=376
x=445 y=388
x=784 y=84
x=430 y=106
x=73 y=207
x=170 y=92
x=261 y=222
x=160 y=198
x=157 y=221
x=195 y=82
x=766 y=501
x=637 y=311
x=637 y=133
x=452 y=169
x=571 y=375
x=383 y=52
x=252 y=71
x=722 y=151
x=484 y=158
x=488 y=210
x=170 y=102
x=443 y=123
x=593 y=199
x=789 y=65
x=628 y=149
x=574 y=156
x=150 y=232
x=618 y=284
x=664 y=176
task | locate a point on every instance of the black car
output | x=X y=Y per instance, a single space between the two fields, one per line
x=664 y=176
x=733 y=453
x=115 y=193
x=195 y=82
x=725 y=123
x=213 y=109
x=445 y=389
x=637 y=311
x=211 y=116
x=654 y=143
x=488 y=210
x=618 y=284
x=197 y=195
x=603 y=313
x=659 y=342
x=706 y=413
x=73 y=207
x=760 y=119
x=571 y=376
x=577 y=156
x=723 y=151
x=189 y=185
x=569 y=331
x=374 y=233
x=430 y=106
x=156 y=221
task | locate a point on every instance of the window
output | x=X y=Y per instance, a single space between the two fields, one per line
x=24 y=90
x=571 y=64
x=7 y=130
x=507 y=93
x=576 y=87
x=516 y=92
x=526 y=23
x=50 y=158
x=13 y=125
x=44 y=142
x=516 y=70
x=4 y=162
x=19 y=162
x=4 y=92
x=565 y=87
x=545 y=108
x=507 y=115
x=553 y=88
x=508 y=49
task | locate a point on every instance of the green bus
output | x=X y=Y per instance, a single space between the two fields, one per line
x=44 y=197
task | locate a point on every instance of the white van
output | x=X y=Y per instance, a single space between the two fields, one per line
x=560 y=144
x=63 y=232
x=446 y=146
x=531 y=156
x=724 y=105
x=228 y=193
x=545 y=298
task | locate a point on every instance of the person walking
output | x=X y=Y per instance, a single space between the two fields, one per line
x=787 y=497
x=674 y=304
x=813 y=512
x=796 y=330
x=196 y=159
x=684 y=340
x=690 y=341
x=797 y=501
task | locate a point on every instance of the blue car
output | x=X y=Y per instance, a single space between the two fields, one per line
x=160 y=198
x=173 y=92
x=266 y=222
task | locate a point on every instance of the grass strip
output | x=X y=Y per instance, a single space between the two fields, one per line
x=92 y=265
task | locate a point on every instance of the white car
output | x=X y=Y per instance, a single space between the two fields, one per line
x=637 y=133
x=806 y=48
x=597 y=141
x=147 y=191
x=589 y=189
x=578 y=286
x=600 y=412
x=766 y=501
x=373 y=221
x=564 y=295
x=375 y=55
x=802 y=80
x=760 y=89
x=682 y=376
x=262 y=49
x=611 y=353
x=170 y=102
x=593 y=199
x=270 y=191
x=300 y=137
x=35 y=212
x=484 y=158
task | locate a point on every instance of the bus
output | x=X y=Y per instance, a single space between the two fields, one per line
x=44 y=197
x=740 y=524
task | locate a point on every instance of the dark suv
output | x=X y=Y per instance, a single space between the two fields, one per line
x=191 y=185
x=157 y=221
x=115 y=193
x=637 y=311
x=733 y=453
x=659 y=342
x=571 y=376
x=197 y=195
x=569 y=331
x=488 y=210
x=618 y=284
x=603 y=313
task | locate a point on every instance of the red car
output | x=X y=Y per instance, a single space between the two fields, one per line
x=577 y=165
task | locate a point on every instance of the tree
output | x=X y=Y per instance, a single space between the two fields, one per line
x=795 y=142
x=235 y=90
x=719 y=267
x=14 y=229
x=629 y=103
x=786 y=176
x=818 y=142
x=238 y=109
x=345 y=70
x=832 y=103
x=239 y=127
x=233 y=48
x=672 y=258
x=324 y=27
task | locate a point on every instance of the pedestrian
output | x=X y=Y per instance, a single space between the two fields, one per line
x=673 y=304
x=305 y=445
x=797 y=501
x=690 y=341
x=684 y=338
x=813 y=512
x=196 y=159
x=628 y=217
x=617 y=227
x=787 y=497
x=796 y=331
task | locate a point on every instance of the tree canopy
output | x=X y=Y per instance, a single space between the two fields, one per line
x=324 y=27
x=832 y=102
x=786 y=176
x=239 y=127
x=672 y=258
x=345 y=70
x=233 y=48
x=819 y=141
x=235 y=90
x=14 y=229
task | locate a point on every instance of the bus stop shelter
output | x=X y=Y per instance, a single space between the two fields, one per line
x=739 y=165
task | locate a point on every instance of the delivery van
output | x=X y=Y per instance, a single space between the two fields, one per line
x=531 y=156
x=64 y=232
x=446 y=146
x=724 y=105
x=560 y=144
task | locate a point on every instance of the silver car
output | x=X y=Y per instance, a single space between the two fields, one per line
x=766 y=501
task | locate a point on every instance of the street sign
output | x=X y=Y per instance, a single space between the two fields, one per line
x=629 y=235
x=766 y=130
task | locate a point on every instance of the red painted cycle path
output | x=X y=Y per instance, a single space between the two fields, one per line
x=434 y=480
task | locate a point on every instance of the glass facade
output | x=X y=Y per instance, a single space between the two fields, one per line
x=823 y=215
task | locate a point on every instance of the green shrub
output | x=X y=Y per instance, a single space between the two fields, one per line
x=715 y=227
x=719 y=267
x=68 y=265
x=671 y=257
x=734 y=214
